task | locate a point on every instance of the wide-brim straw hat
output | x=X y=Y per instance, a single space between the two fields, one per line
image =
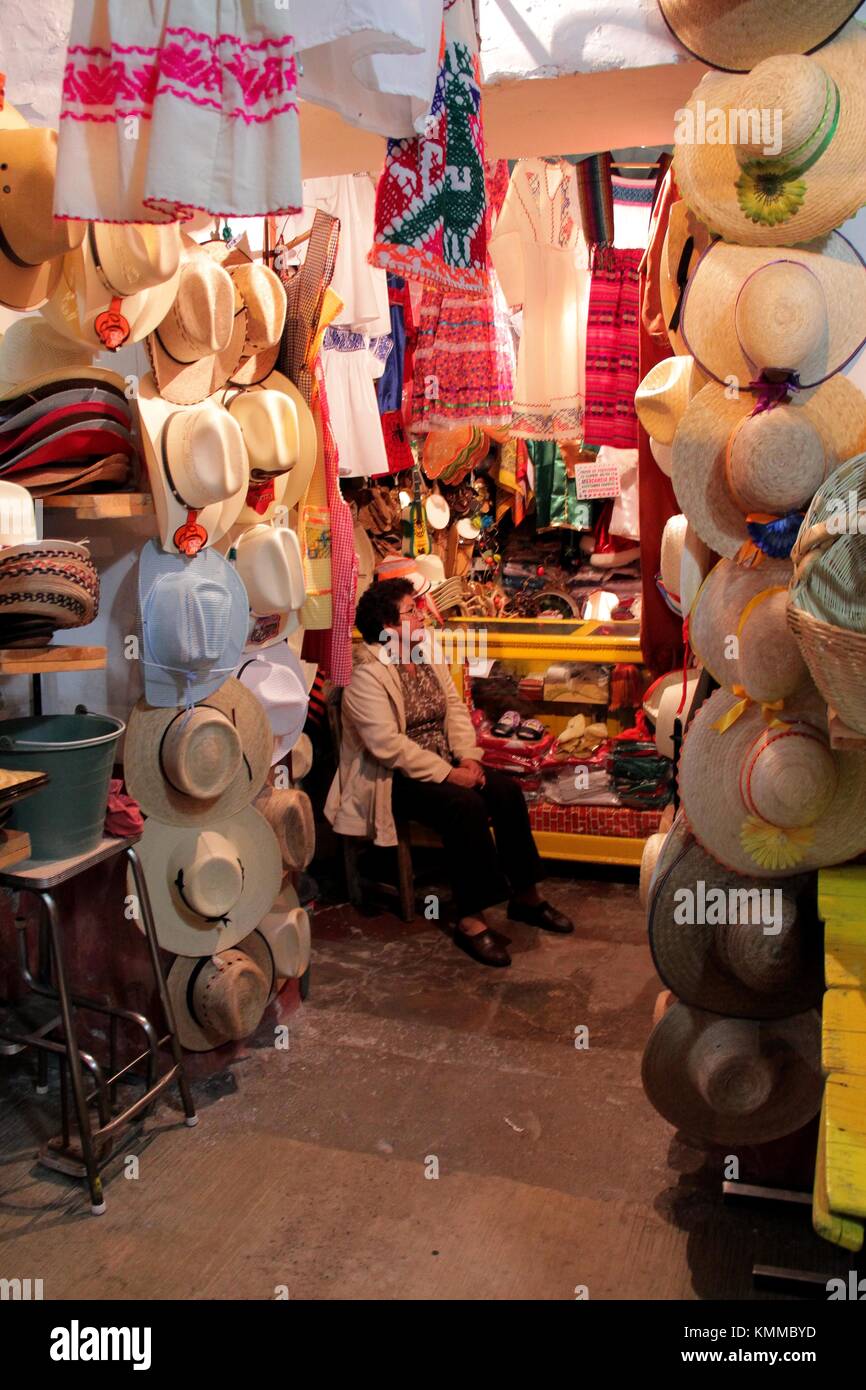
x=669 y=698
x=767 y=794
x=30 y=347
x=244 y=844
x=289 y=813
x=221 y=998
x=271 y=439
x=277 y=679
x=110 y=472
x=798 y=309
x=773 y=458
x=684 y=563
x=264 y=299
x=649 y=858
x=735 y=35
x=686 y=240
x=18 y=395
x=82 y=297
x=760 y=955
x=814 y=182
x=200 y=341
x=661 y=399
x=174 y=760
x=32 y=241
x=287 y=931
x=738 y=630
x=734 y=1080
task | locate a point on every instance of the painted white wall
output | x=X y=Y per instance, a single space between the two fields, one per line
x=546 y=38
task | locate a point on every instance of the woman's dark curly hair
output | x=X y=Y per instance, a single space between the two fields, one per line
x=379 y=607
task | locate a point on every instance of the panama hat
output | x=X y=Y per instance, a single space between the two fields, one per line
x=199 y=343
x=289 y=813
x=796 y=314
x=684 y=564
x=209 y=886
x=276 y=678
x=814 y=182
x=17 y=515
x=198 y=468
x=669 y=698
x=106 y=313
x=268 y=560
x=221 y=998
x=737 y=34
x=193 y=623
x=734 y=1080
x=32 y=243
x=771 y=796
x=733 y=945
x=264 y=299
x=30 y=347
x=686 y=239
x=196 y=766
x=287 y=931
x=663 y=395
x=738 y=630
x=729 y=464
x=648 y=860
x=280 y=434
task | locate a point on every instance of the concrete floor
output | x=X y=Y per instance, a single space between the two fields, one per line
x=309 y=1172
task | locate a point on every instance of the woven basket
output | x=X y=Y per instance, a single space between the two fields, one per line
x=827 y=602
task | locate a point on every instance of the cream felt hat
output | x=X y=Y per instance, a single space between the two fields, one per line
x=17 y=515
x=738 y=630
x=661 y=399
x=280 y=434
x=287 y=931
x=197 y=766
x=771 y=797
x=209 y=886
x=90 y=309
x=197 y=463
x=30 y=347
x=729 y=463
x=684 y=564
x=221 y=998
x=737 y=34
x=738 y=946
x=734 y=1080
x=289 y=813
x=686 y=240
x=765 y=317
x=670 y=698
x=32 y=242
x=199 y=343
x=268 y=560
x=784 y=180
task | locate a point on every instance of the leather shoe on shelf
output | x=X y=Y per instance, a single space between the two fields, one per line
x=543 y=915
x=484 y=947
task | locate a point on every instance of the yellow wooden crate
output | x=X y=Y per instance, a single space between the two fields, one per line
x=844 y=1031
x=845 y=1138
x=830 y=1225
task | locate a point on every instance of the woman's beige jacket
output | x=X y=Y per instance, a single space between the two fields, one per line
x=375 y=744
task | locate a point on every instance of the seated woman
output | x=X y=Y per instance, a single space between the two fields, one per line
x=409 y=750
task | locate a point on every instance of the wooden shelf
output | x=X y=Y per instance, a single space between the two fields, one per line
x=14 y=847
x=101 y=506
x=39 y=661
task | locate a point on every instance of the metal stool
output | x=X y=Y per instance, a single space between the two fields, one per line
x=94 y=1146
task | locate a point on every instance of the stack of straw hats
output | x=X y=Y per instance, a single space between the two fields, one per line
x=766 y=302
x=44 y=584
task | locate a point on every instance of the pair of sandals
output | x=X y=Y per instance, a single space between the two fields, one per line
x=513 y=725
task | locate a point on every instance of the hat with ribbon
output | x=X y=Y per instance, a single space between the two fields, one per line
x=199 y=343
x=669 y=698
x=737 y=34
x=280 y=436
x=222 y=997
x=686 y=240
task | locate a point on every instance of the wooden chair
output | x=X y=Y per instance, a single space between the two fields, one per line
x=409 y=834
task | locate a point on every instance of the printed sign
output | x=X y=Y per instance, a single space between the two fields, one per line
x=597 y=480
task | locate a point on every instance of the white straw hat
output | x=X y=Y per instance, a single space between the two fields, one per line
x=264 y=300
x=199 y=343
x=661 y=399
x=276 y=677
x=686 y=240
x=289 y=813
x=221 y=998
x=30 y=347
x=270 y=565
x=684 y=564
x=670 y=698
x=17 y=515
x=738 y=34
x=287 y=931
x=209 y=886
x=279 y=432
x=751 y=313
x=789 y=179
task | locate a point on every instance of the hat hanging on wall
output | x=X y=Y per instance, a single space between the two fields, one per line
x=670 y=698
x=198 y=469
x=686 y=240
x=268 y=560
x=287 y=931
x=264 y=299
x=280 y=435
x=684 y=564
x=734 y=1080
x=289 y=813
x=221 y=998
x=197 y=766
x=199 y=343
x=738 y=34
x=729 y=464
x=17 y=515
x=194 y=619
x=661 y=399
x=30 y=347
x=209 y=887
x=771 y=797
x=769 y=318
x=759 y=955
x=32 y=243
x=276 y=678
x=787 y=167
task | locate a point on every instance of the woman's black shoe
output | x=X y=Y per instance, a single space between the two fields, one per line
x=484 y=947
x=542 y=915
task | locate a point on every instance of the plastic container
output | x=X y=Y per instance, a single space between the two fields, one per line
x=77 y=751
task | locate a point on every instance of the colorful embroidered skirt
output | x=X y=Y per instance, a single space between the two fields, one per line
x=464 y=363
x=612 y=349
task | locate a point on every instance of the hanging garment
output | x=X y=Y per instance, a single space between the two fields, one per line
x=351 y=362
x=173 y=106
x=351 y=199
x=557 y=506
x=392 y=383
x=431 y=202
x=305 y=287
x=595 y=196
x=612 y=349
x=624 y=518
x=540 y=257
x=632 y=205
x=464 y=361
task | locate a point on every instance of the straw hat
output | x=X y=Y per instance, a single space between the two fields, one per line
x=728 y=463
x=755 y=956
x=30 y=346
x=771 y=797
x=17 y=515
x=50 y=480
x=734 y=1080
x=221 y=998
x=686 y=240
x=752 y=314
x=264 y=299
x=209 y=886
x=276 y=677
x=193 y=623
x=55 y=581
x=684 y=564
x=200 y=341
x=663 y=395
x=669 y=698
x=737 y=34
x=197 y=463
x=270 y=565
x=287 y=931
x=20 y=395
x=651 y=851
x=32 y=243
x=197 y=766
x=738 y=630
x=663 y=455
x=813 y=180
x=279 y=432
x=290 y=815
